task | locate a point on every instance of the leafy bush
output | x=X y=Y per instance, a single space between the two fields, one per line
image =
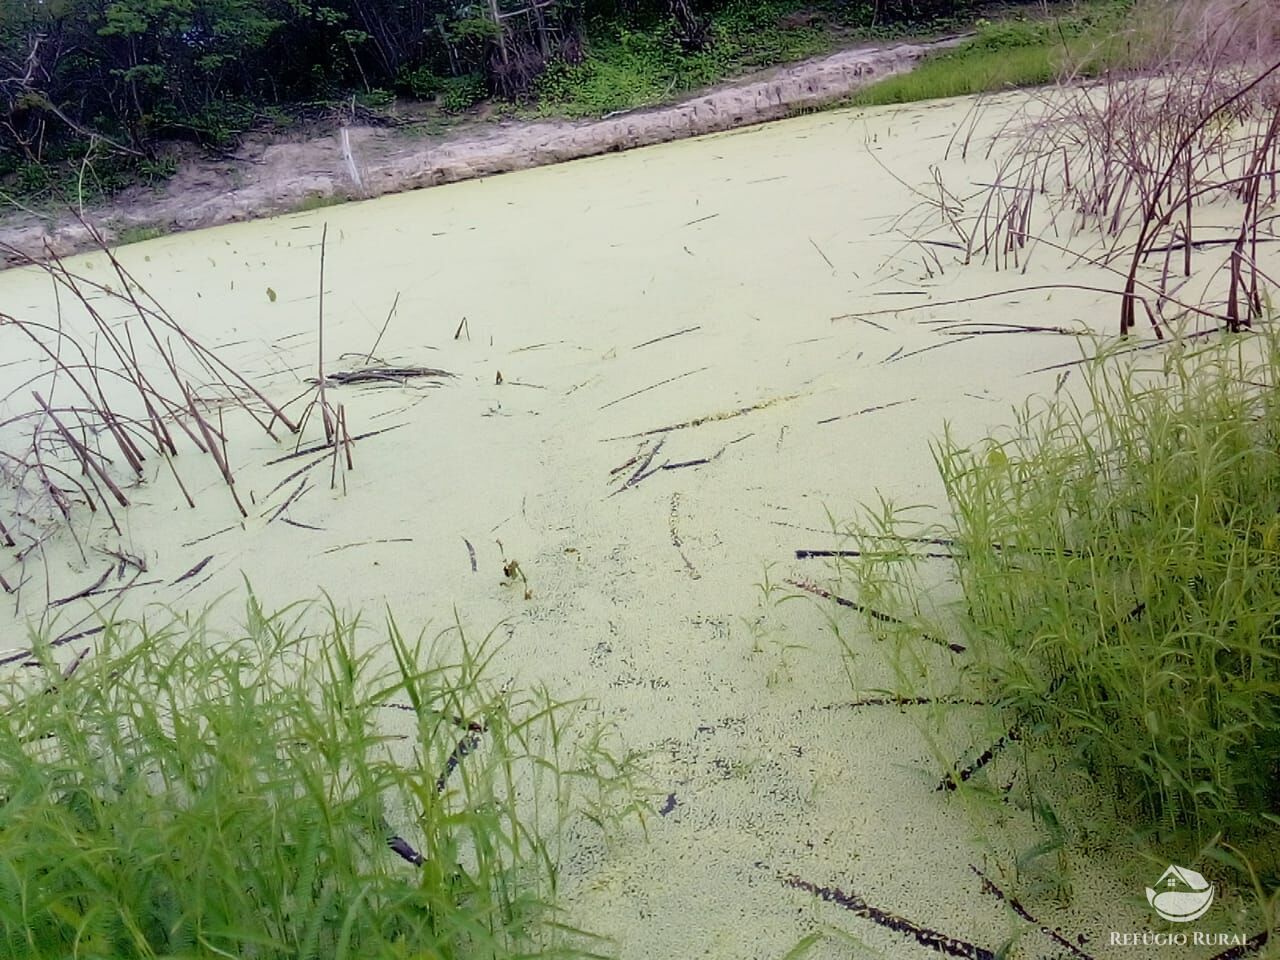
x=462 y=93
x=275 y=794
x=420 y=82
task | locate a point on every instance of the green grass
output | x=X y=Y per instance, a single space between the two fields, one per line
x=1119 y=565
x=139 y=234
x=626 y=68
x=1012 y=53
x=317 y=201
x=186 y=794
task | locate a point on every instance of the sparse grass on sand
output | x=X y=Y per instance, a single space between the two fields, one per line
x=275 y=793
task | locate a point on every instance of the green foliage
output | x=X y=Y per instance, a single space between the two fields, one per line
x=473 y=30
x=317 y=201
x=1012 y=53
x=626 y=68
x=422 y=83
x=375 y=97
x=462 y=93
x=1119 y=558
x=183 y=793
x=138 y=235
x=968 y=71
x=126 y=75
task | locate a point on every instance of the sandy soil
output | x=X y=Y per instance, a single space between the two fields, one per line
x=269 y=178
x=694 y=306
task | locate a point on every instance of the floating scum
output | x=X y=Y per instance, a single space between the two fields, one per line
x=667 y=371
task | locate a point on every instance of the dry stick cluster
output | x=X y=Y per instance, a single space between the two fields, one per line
x=336 y=433
x=1130 y=159
x=112 y=393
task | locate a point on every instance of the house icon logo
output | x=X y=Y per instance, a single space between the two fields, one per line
x=1181 y=895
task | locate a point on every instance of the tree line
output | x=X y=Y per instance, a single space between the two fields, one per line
x=124 y=75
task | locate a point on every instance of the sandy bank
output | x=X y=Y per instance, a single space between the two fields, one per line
x=361 y=162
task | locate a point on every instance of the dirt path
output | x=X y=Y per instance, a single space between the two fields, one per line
x=358 y=162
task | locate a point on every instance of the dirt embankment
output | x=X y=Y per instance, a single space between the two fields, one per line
x=357 y=162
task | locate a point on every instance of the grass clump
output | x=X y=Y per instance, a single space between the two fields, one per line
x=317 y=201
x=277 y=794
x=139 y=234
x=1119 y=562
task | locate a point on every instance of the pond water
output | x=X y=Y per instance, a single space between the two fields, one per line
x=659 y=393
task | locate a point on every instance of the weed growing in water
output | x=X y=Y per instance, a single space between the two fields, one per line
x=1118 y=557
x=277 y=793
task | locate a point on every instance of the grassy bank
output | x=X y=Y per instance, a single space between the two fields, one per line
x=1081 y=39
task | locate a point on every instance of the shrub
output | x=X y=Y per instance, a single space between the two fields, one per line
x=420 y=82
x=462 y=93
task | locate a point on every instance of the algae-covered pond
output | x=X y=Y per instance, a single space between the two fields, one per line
x=668 y=371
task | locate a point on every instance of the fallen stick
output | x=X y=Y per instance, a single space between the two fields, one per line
x=952 y=781
x=816 y=554
x=362 y=543
x=210 y=536
x=398 y=845
x=709 y=418
x=404 y=850
x=653 y=386
x=193 y=571
x=214 y=451
x=990 y=327
x=465 y=746
x=926 y=937
x=899 y=355
x=396 y=374
x=1066 y=364
x=907 y=702
x=87 y=590
x=58 y=642
x=298 y=492
x=824 y=257
x=306 y=451
x=667 y=336
x=868 y=611
x=700 y=462
x=640 y=472
x=300 y=525
x=116 y=591
x=858 y=413
x=989 y=887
